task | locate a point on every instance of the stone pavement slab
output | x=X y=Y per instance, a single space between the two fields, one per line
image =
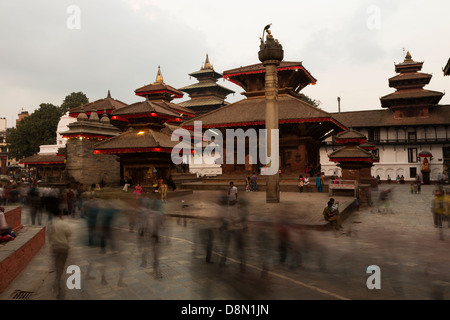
x=404 y=243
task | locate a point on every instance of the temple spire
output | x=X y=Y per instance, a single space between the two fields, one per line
x=207 y=64
x=159 y=77
x=408 y=57
x=109 y=94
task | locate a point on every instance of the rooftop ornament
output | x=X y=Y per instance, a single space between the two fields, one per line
x=270 y=49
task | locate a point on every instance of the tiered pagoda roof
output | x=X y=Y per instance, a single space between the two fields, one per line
x=159 y=89
x=107 y=104
x=44 y=159
x=410 y=98
x=148 y=122
x=292 y=77
x=351 y=151
x=205 y=95
x=164 y=93
x=138 y=141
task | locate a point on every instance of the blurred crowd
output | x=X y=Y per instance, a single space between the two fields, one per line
x=224 y=235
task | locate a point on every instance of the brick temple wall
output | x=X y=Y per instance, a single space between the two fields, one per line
x=89 y=168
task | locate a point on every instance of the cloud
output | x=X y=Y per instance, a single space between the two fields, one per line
x=121 y=43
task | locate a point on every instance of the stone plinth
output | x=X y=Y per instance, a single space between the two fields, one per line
x=86 y=167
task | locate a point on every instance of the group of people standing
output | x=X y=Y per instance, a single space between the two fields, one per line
x=304 y=182
x=251 y=183
x=161 y=186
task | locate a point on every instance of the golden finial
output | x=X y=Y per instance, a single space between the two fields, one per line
x=408 y=57
x=207 y=64
x=159 y=77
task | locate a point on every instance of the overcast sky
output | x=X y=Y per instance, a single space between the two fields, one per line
x=51 y=48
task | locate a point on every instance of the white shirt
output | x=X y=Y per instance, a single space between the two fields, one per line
x=59 y=233
x=232 y=193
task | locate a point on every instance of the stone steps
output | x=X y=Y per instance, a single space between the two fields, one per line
x=16 y=254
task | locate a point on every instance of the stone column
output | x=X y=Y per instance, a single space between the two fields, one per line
x=270 y=54
x=271 y=87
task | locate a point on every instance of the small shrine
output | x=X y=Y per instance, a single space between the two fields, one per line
x=355 y=162
x=82 y=164
x=426 y=156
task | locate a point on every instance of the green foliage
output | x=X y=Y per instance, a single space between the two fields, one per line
x=39 y=128
x=73 y=100
x=313 y=102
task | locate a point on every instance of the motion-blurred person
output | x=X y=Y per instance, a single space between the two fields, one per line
x=2 y=194
x=438 y=207
x=53 y=202
x=24 y=189
x=59 y=234
x=107 y=211
x=91 y=209
x=207 y=236
x=171 y=183
x=384 y=201
x=150 y=224
x=163 y=188
x=70 y=199
x=35 y=205
x=233 y=230
x=107 y=214
x=78 y=205
x=232 y=194
x=282 y=231
x=263 y=244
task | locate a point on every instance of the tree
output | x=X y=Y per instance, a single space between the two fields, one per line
x=313 y=102
x=39 y=128
x=73 y=100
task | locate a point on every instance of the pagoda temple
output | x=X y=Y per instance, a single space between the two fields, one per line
x=410 y=98
x=302 y=126
x=205 y=95
x=144 y=148
x=162 y=93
